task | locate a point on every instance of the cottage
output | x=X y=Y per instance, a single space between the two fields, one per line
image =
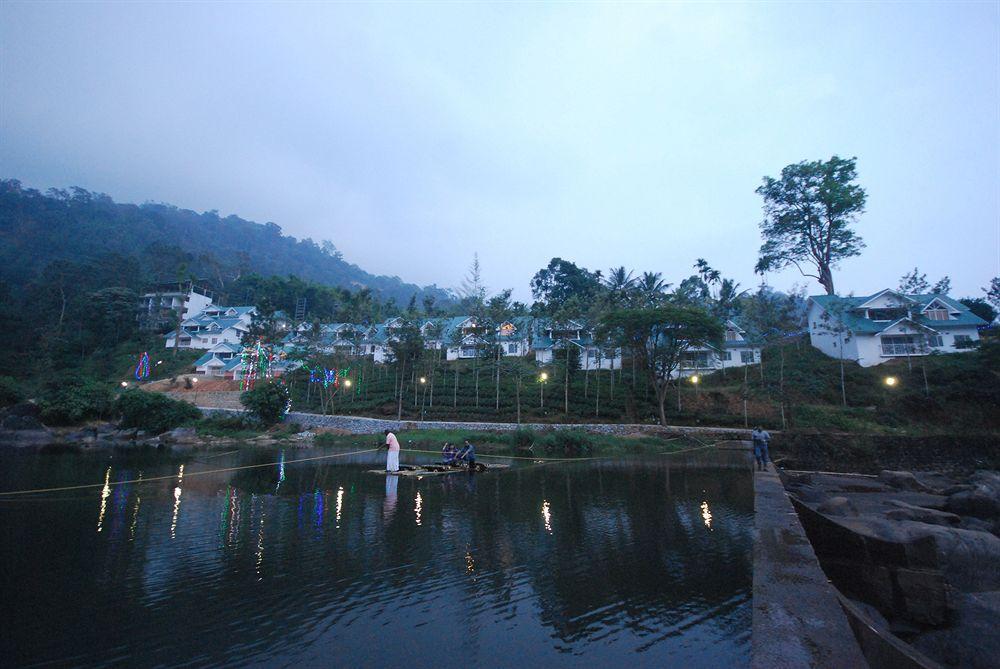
x=737 y=351
x=871 y=330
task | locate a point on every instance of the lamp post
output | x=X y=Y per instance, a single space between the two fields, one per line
x=542 y=378
x=194 y=381
x=695 y=380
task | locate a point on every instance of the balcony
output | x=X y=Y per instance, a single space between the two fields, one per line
x=901 y=349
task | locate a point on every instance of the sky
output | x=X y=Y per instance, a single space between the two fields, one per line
x=415 y=135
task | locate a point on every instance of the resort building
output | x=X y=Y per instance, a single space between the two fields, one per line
x=871 y=330
x=738 y=350
x=159 y=305
x=213 y=325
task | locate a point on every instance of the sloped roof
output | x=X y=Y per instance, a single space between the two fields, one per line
x=857 y=323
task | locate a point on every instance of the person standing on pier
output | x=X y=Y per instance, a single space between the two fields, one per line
x=760 y=438
x=392 y=456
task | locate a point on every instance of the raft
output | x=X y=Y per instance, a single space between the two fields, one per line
x=437 y=470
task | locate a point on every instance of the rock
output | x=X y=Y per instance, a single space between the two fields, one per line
x=182 y=435
x=26 y=438
x=904 y=511
x=303 y=436
x=979 y=502
x=925 y=596
x=971 y=641
x=838 y=506
x=967 y=558
x=902 y=481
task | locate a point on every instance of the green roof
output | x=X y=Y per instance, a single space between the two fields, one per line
x=857 y=323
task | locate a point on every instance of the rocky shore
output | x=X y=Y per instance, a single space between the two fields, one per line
x=919 y=552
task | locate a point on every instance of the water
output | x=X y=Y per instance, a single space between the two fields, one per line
x=613 y=563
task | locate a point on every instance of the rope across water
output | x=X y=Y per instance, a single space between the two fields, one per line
x=13 y=493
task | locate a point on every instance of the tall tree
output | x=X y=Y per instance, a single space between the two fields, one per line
x=808 y=214
x=914 y=283
x=560 y=281
x=658 y=338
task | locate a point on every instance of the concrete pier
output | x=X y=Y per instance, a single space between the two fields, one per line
x=797 y=618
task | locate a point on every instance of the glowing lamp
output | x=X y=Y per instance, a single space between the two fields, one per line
x=695 y=379
x=423 y=379
x=347 y=383
x=124 y=384
x=891 y=381
x=194 y=380
x=544 y=376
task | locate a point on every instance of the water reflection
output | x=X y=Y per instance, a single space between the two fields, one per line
x=256 y=575
x=105 y=493
x=547 y=516
x=177 y=502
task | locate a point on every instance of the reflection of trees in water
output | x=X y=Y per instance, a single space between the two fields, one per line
x=627 y=551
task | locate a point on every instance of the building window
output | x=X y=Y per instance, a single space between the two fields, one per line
x=937 y=314
x=727 y=355
x=962 y=339
x=934 y=341
x=511 y=348
x=890 y=314
x=746 y=357
x=215 y=340
x=732 y=335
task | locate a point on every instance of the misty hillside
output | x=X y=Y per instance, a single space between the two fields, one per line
x=37 y=228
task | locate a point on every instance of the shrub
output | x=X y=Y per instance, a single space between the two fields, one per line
x=266 y=401
x=222 y=425
x=522 y=438
x=153 y=412
x=10 y=391
x=570 y=443
x=74 y=401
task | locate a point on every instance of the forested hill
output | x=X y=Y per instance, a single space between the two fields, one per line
x=38 y=228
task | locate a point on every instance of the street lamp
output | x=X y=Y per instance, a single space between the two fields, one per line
x=542 y=378
x=891 y=381
x=423 y=379
x=347 y=383
x=124 y=384
x=695 y=379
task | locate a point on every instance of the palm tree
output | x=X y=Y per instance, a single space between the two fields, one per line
x=650 y=288
x=619 y=282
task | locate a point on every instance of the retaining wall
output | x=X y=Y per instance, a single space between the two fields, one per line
x=363 y=425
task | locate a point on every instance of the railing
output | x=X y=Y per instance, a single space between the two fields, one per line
x=901 y=349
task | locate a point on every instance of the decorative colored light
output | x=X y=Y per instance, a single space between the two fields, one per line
x=891 y=381
x=142 y=369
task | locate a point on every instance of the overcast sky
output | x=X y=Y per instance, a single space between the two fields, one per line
x=413 y=135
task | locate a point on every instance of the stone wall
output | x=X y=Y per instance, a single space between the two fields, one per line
x=363 y=425
x=873 y=453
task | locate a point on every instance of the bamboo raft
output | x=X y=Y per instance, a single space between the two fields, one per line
x=437 y=470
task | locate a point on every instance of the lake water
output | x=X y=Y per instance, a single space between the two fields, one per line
x=611 y=563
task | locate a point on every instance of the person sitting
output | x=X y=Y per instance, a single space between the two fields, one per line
x=448 y=453
x=467 y=454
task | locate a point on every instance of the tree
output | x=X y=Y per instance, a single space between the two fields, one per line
x=472 y=291
x=562 y=280
x=807 y=217
x=833 y=322
x=980 y=307
x=915 y=283
x=406 y=345
x=658 y=337
x=993 y=293
x=266 y=401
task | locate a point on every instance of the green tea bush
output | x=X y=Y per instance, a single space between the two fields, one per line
x=153 y=412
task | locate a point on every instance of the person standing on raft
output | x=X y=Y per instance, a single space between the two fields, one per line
x=467 y=454
x=392 y=456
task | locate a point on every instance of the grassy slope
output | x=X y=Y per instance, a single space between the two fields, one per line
x=964 y=395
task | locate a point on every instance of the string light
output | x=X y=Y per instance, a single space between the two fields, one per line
x=142 y=369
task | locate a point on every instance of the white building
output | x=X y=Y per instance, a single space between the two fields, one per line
x=551 y=337
x=159 y=305
x=871 y=330
x=737 y=351
x=213 y=325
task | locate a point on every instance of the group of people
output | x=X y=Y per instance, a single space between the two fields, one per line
x=465 y=456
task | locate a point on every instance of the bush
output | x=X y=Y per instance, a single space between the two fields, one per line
x=570 y=443
x=266 y=402
x=10 y=391
x=222 y=425
x=74 y=401
x=153 y=412
x=522 y=438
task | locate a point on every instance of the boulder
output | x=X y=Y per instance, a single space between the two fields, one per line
x=904 y=511
x=981 y=500
x=902 y=481
x=182 y=435
x=924 y=595
x=838 y=506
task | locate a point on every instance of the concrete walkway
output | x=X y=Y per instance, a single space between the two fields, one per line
x=797 y=619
